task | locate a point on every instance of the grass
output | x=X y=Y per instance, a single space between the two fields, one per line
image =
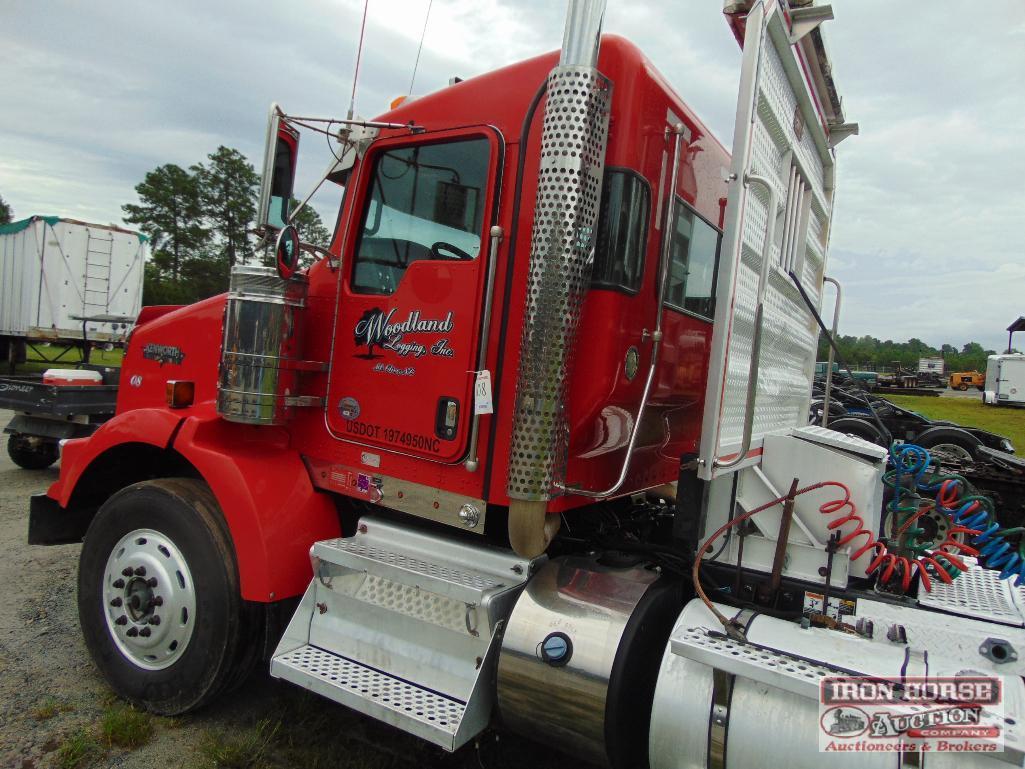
x=79 y=749
x=34 y=362
x=125 y=727
x=51 y=707
x=239 y=748
x=970 y=412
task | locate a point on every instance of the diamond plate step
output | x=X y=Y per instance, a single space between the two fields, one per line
x=404 y=626
x=768 y=666
x=978 y=593
x=463 y=572
x=402 y=704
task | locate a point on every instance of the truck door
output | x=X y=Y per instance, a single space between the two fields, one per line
x=413 y=277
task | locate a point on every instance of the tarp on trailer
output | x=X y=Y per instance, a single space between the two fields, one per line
x=54 y=271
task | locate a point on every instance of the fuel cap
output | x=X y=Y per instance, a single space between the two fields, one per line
x=556 y=649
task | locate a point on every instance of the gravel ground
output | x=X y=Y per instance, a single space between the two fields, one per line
x=50 y=690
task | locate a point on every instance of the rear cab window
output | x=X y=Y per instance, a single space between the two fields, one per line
x=693 y=264
x=622 y=231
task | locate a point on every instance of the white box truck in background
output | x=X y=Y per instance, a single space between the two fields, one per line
x=1005 y=380
x=54 y=272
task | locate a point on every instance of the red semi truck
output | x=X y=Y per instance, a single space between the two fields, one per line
x=460 y=469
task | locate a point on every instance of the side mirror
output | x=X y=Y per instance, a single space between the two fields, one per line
x=286 y=252
x=279 y=161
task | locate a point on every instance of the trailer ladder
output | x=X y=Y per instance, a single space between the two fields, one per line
x=96 y=277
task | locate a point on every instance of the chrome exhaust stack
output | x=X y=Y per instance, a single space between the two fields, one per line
x=573 y=144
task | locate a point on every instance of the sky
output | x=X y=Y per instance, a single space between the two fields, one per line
x=929 y=224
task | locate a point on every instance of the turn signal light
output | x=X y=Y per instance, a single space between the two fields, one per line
x=180 y=393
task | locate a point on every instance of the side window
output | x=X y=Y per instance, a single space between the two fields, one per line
x=424 y=202
x=622 y=232
x=694 y=260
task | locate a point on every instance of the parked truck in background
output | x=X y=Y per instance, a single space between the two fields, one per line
x=474 y=464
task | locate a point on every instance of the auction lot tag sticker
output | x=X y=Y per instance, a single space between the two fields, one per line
x=863 y=714
x=482 y=393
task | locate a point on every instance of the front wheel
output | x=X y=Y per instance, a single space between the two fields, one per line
x=158 y=596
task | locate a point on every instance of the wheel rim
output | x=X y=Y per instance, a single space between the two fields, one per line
x=952 y=450
x=149 y=599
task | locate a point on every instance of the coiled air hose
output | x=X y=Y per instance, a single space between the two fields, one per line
x=972 y=515
x=910 y=554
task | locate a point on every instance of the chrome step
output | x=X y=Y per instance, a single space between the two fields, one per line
x=463 y=572
x=419 y=711
x=396 y=621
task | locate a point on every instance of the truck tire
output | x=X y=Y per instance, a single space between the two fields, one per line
x=159 y=600
x=963 y=387
x=957 y=443
x=32 y=453
x=861 y=428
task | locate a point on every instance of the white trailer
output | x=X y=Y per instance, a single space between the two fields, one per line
x=930 y=366
x=54 y=272
x=1005 y=380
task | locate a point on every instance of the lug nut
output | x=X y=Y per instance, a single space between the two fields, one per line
x=118 y=583
x=157 y=601
x=152 y=581
x=154 y=620
x=122 y=620
x=132 y=632
x=116 y=602
x=145 y=632
x=140 y=571
x=127 y=571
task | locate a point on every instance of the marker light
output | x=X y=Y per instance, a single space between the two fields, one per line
x=180 y=393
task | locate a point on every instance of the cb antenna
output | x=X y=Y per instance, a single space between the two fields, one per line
x=423 y=34
x=359 y=56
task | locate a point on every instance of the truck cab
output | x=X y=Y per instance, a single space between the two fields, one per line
x=464 y=464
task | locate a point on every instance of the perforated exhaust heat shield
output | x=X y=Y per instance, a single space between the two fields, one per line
x=573 y=142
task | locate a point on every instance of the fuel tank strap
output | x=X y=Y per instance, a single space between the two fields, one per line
x=719 y=718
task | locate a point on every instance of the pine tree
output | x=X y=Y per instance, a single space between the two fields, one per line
x=310 y=226
x=227 y=190
x=171 y=213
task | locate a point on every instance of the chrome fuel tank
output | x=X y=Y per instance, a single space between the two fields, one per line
x=580 y=656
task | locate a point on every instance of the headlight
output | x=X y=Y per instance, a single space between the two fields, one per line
x=1007 y=446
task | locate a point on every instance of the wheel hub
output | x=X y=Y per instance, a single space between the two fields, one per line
x=952 y=450
x=149 y=599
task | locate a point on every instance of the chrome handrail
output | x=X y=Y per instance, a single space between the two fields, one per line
x=472 y=460
x=829 y=364
x=656 y=336
x=756 y=338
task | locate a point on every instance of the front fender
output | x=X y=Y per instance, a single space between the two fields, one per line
x=153 y=426
x=273 y=512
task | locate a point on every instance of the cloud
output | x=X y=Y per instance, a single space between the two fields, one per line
x=928 y=233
